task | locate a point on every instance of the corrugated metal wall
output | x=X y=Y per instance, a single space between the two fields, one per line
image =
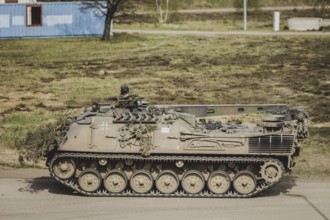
x=58 y=19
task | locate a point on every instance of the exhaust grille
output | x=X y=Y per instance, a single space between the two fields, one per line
x=271 y=144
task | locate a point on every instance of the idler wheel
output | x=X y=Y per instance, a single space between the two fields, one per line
x=218 y=182
x=115 y=181
x=64 y=168
x=193 y=182
x=141 y=181
x=90 y=180
x=244 y=182
x=167 y=182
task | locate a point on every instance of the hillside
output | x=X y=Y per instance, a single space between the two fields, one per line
x=43 y=79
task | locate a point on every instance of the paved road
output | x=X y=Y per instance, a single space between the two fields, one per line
x=42 y=197
x=222 y=33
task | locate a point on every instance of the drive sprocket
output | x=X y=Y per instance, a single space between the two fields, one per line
x=272 y=171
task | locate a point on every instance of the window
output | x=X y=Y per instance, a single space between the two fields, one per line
x=33 y=15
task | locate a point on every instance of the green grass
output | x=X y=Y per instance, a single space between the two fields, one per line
x=315 y=158
x=198 y=26
x=14 y=126
x=42 y=79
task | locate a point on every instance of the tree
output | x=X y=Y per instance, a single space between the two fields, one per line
x=165 y=8
x=110 y=9
x=162 y=8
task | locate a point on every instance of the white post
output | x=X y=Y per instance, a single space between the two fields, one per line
x=111 y=28
x=276 y=20
x=245 y=15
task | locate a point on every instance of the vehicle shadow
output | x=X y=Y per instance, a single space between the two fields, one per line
x=42 y=184
x=283 y=187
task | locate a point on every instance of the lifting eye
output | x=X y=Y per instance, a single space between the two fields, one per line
x=210 y=110
x=240 y=109
x=260 y=108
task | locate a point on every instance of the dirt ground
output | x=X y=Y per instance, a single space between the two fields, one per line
x=23 y=173
x=9 y=157
x=9 y=161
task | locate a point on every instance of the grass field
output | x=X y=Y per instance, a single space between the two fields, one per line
x=44 y=79
x=197 y=4
x=231 y=21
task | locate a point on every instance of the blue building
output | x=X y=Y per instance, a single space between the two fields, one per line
x=48 y=20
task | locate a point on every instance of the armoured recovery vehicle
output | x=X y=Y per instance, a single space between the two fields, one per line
x=132 y=148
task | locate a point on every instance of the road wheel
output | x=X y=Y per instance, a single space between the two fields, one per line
x=244 y=182
x=115 y=181
x=90 y=180
x=218 y=182
x=167 y=182
x=193 y=182
x=141 y=181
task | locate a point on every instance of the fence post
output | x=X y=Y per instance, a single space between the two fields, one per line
x=276 y=20
x=111 y=28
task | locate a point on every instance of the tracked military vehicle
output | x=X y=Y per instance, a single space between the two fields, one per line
x=135 y=149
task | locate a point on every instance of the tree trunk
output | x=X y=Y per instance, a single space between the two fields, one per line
x=107 y=25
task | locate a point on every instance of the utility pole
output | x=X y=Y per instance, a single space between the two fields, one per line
x=245 y=15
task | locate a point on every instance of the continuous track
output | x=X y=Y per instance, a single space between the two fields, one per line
x=72 y=183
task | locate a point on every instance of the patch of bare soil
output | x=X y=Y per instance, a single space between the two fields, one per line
x=9 y=157
x=24 y=173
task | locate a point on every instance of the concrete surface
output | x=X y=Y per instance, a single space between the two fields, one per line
x=41 y=197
